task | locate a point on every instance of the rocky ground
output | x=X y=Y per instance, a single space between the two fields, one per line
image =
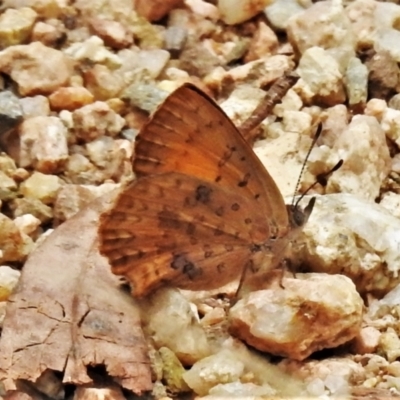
x=79 y=79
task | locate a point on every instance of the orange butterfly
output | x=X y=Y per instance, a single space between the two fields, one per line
x=203 y=209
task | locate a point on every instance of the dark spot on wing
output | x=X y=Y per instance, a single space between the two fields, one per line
x=245 y=180
x=203 y=194
x=182 y=263
x=235 y=207
x=221 y=267
x=220 y=211
x=168 y=219
x=248 y=221
x=191 y=228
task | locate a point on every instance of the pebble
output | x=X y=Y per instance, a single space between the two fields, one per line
x=15 y=246
x=93 y=49
x=35 y=106
x=366 y=159
x=8 y=187
x=95 y=120
x=320 y=77
x=50 y=33
x=27 y=224
x=16 y=26
x=312 y=312
x=40 y=186
x=70 y=98
x=236 y=11
x=264 y=43
x=8 y=280
x=165 y=314
x=113 y=33
x=156 y=9
x=48 y=68
x=324 y=24
x=10 y=111
x=144 y=96
x=31 y=206
x=356 y=237
x=280 y=11
x=43 y=142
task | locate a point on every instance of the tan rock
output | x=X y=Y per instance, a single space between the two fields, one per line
x=320 y=77
x=113 y=33
x=27 y=224
x=35 y=106
x=335 y=122
x=15 y=246
x=93 y=49
x=44 y=8
x=103 y=83
x=112 y=392
x=49 y=33
x=324 y=24
x=356 y=237
x=165 y=315
x=32 y=206
x=8 y=280
x=280 y=11
x=8 y=187
x=362 y=147
x=16 y=26
x=42 y=187
x=389 y=344
x=366 y=341
x=95 y=120
x=356 y=82
x=43 y=143
x=264 y=42
x=237 y=11
x=157 y=9
x=312 y=312
x=70 y=98
x=48 y=68
x=73 y=198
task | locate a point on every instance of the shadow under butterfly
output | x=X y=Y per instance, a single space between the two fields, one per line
x=204 y=211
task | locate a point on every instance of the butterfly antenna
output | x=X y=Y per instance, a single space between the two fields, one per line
x=322 y=179
x=316 y=136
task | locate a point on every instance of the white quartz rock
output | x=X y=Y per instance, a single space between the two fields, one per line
x=356 y=237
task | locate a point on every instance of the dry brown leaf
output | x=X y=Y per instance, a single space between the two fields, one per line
x=68 y=312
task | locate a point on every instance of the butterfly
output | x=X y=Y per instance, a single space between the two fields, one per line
x=203 y=209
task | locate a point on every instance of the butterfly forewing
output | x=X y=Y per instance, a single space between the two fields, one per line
x=190 y=134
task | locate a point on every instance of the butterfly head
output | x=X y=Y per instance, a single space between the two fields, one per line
x=298 y=216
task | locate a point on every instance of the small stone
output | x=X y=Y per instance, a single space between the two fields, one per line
x=16 y=26
x=197 y=60
x=175 y=39
x=240 y=390
x=95 y=120
x=389 y=344
x=366 y=341
x=156 y=9
x=311 y=312
x=391 y=201
x=79 y=170
x=146 y=97
x=27 y=224
x=42 y=187
x=324 y=25
x=366 y=159
x=10 y=111
x=48 y=68
x=214 y=316
x=73 y=198
x=7 y=164
x=103 y=83
x=8 y=280
x=172 y=371
x=203 y=9
x=279 y=12
x=166 y=314
x=43 y=144
x=223 y=367
x=264 y=43
x=33 y=207
x=8 y=187
x=93 y=49
x=237 y=11
x=70 y=98
x=15 y=246
x=394 y=102
x=360 y=239
x=356 y=82
x=111 y=392
x=336 y=121
x=320 y=77
x=44 y=8
x=50 y=33
x=36 y=106
x=383 y=74
x=113 y=33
